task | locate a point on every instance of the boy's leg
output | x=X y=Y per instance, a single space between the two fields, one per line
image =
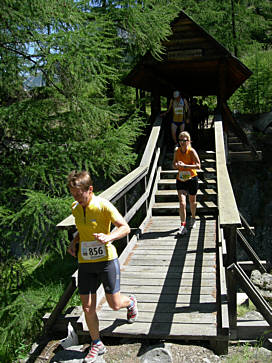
x=89 y=308
x=118 y=301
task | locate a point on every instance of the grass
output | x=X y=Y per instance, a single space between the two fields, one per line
x=243 y=309
x=21 y=311
x=247 y=353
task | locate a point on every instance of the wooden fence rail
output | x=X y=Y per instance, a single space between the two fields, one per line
x=228 y=217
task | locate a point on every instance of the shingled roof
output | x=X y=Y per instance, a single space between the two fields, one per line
x=193 y=63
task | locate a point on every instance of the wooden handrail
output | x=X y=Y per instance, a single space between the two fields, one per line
x=121 y=187
x=227 y=207
x=152 y=141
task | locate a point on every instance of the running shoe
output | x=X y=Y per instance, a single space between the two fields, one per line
x=95 y=350
x=182 y=230
x=192 y=223
x=132 y=313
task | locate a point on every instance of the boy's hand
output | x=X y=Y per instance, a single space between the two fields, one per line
x=101 y=237
x=72 y=247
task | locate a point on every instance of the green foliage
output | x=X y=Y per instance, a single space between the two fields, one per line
x=248 y=353
x=22 y=309
x=255 y=96
x=148 y=25
x=81 y=118
x=242 y=28
x=72 y=123
x=243 y=309
x=35 y=223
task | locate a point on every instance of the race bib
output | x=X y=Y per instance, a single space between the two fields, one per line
x=184 y=175
x=92 y=250
x=179 y=110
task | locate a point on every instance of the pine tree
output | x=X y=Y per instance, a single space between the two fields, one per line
x=80 y=50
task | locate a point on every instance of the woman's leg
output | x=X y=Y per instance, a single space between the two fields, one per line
x=173 y=132
x=182 y=127
x=193 y=205
x=182 y=205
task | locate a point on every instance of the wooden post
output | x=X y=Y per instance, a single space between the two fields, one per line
x=146 y=202
x=64 y=299
x=231 y=238
x=125 y=212
x=221 y=99
x=142 y=101
x=155 y=104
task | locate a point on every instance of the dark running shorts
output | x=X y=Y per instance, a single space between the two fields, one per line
x=190 y=186
x=91 y=275
x=178 y=123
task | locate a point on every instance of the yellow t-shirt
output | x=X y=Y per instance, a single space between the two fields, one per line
x=178 y=110
x=98 y=216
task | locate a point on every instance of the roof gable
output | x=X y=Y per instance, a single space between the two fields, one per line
x=194 y=62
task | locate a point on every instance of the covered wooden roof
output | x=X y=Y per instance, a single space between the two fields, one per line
x=194 y=62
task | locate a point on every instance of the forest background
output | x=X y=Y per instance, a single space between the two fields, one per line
x=82 y=117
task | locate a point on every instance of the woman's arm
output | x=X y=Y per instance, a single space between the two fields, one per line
x=196 y=160
x=175 y=163
x=187 y=111
x=169 y=108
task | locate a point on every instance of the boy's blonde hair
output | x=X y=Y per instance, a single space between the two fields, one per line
x=79 y=179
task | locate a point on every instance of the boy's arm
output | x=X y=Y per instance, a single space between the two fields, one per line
x=122 y=229
x=73 y=245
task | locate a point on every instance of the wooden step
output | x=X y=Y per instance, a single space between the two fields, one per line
x=233 y=138
x=237 y=146
x=71 y=315
x=236 y=156
x=207 y=155
x=171 y=183
x=171 y=195
x=172 y=208
x=207 y=172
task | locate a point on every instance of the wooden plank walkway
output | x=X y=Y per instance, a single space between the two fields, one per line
x=173 y=277
x=174 y=280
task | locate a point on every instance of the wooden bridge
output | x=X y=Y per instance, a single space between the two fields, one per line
x=186 y=286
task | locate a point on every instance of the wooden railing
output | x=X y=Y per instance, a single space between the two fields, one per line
x=144 y=172
x=228 y=219
x=229 y=223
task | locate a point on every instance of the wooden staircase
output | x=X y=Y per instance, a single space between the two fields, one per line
x=238 y=151
x=166 y=197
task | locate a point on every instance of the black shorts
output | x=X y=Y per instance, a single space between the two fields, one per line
x=91 y=275
x=190 y=186
x=178 y=123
